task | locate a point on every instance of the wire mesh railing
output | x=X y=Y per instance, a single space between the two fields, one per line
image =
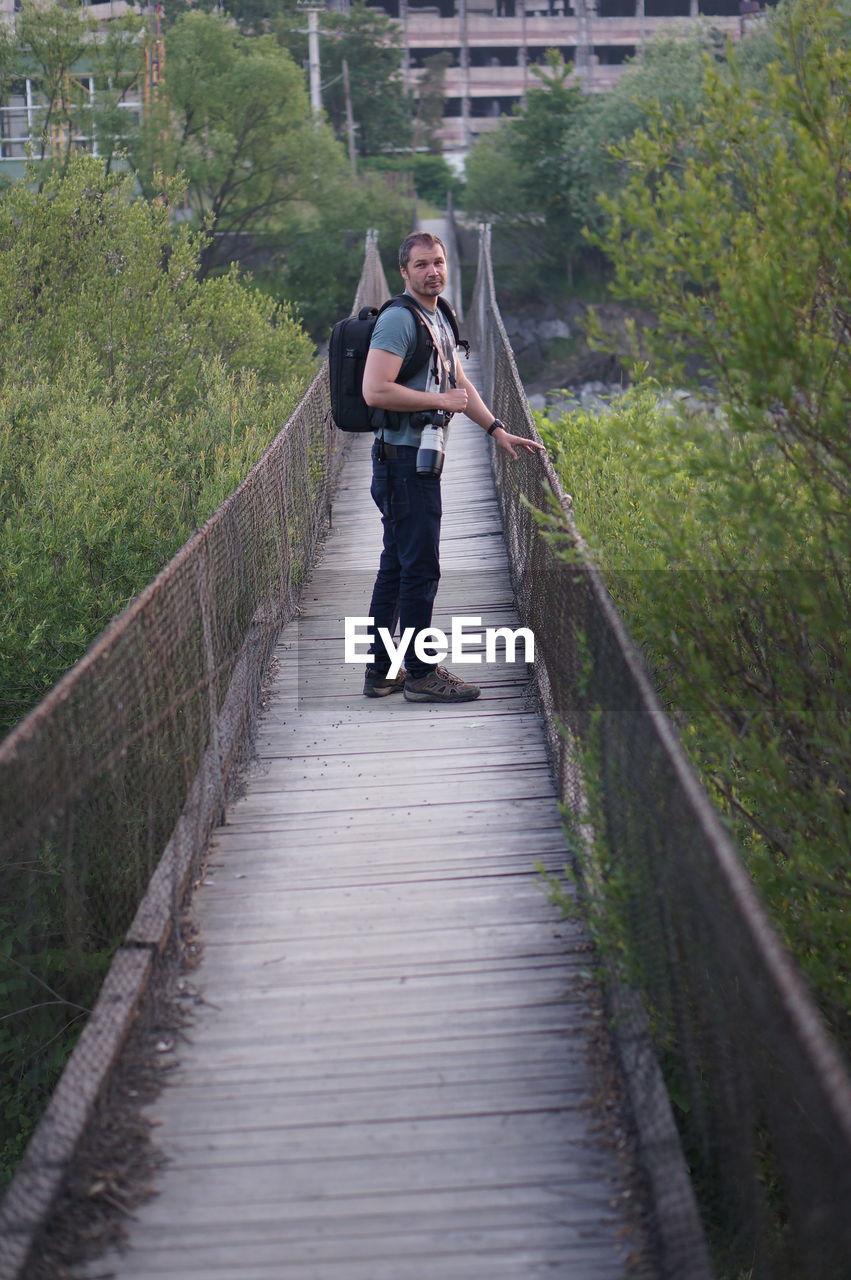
x=110 y=787
x=762 y=1098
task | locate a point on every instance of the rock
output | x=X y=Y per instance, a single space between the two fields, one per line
x=538 y=402
x=575 y=310
x=550 y=330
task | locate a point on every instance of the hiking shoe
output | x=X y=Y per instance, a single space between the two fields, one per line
x=377 y=684
x=440 y=685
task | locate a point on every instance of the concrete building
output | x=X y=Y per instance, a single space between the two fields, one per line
x=493 y=43
x=23 y=115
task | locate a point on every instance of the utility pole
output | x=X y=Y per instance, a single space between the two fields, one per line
x=350 y=120
x=154 y=56
x=313 y=59
x=465 y=74
x=523 y=51
x=584 y=42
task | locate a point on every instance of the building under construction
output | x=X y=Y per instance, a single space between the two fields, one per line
x=494 y=43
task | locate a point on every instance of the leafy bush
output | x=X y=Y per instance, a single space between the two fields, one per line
x=715 y=554
x=726 y=537
x=133 y=398
x=432 y=176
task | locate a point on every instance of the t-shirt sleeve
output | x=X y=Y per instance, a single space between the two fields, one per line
x=395 y=331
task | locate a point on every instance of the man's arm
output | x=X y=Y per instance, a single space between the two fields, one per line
x=481 y=414
x=381 y=391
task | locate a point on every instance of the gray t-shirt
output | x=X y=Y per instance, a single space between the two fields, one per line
x=396 y=331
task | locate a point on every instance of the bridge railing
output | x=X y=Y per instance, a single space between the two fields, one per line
x=110 y=787
x=760 y=1092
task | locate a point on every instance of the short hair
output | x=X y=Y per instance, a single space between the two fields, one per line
x=417 y=237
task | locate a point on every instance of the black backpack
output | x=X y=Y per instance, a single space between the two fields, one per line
x=347 y=351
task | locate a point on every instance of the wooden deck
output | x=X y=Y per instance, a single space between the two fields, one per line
x=389 y=1077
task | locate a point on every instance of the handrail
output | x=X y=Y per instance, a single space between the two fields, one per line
x=762 y=1093
x=110 y=787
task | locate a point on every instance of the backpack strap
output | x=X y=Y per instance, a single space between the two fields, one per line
x=421 y=354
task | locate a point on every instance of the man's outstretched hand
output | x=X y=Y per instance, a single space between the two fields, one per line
x=512 y=443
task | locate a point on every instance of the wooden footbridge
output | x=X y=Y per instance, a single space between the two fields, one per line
x=392 y=1071
x=399 y=1065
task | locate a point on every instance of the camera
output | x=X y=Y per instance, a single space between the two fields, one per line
x=431 y=452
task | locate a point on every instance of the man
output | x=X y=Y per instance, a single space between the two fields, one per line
x=410 y=504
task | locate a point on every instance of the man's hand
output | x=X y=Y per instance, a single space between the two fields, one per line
x=512 y=443
x=454 y=401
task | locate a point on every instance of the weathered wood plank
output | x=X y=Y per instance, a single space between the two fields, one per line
x=388 y=1075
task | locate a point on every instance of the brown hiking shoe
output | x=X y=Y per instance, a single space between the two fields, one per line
x=440 y=685
x=378 y=684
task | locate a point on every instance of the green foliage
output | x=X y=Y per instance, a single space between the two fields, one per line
x=716 y=555
x=521 y=178
x=432 y=177
x=734 y=228
x=725 y=538
x=60 y=47
x=132 y=397
x=371 y=44
x=115 y=61
x=8 y=59
x=235 y=120
x=540 y=177
x=431 y=95
x=230 y=143
x=663 y=82
x=324 y=247
x=52 y=42
x=87 y=272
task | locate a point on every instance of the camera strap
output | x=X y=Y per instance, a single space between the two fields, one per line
x=443 y=355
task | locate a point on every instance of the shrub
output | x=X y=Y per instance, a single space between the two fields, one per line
x=716 y=555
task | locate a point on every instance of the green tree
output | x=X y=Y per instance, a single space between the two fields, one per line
x=133 y=399
x=114 y=356
x=235 y=119
x=371 y=44
x=63 y=51
x=53 y=42
x=663 y=82
x=552 y=162
x=524 y=179
x=115 y=59
x=251 y=16
x=734 y=228
x=8 y=60
x=431 y=94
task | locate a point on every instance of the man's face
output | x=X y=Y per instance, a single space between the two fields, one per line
x=425 y=274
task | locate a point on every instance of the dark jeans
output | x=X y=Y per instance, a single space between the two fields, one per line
x=409 y=568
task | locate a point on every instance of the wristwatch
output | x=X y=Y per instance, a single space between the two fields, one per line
x=493 y=426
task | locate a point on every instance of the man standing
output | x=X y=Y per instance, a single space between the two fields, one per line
x=410 y=504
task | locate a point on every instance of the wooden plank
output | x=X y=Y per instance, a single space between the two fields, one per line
x=388 y=1075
